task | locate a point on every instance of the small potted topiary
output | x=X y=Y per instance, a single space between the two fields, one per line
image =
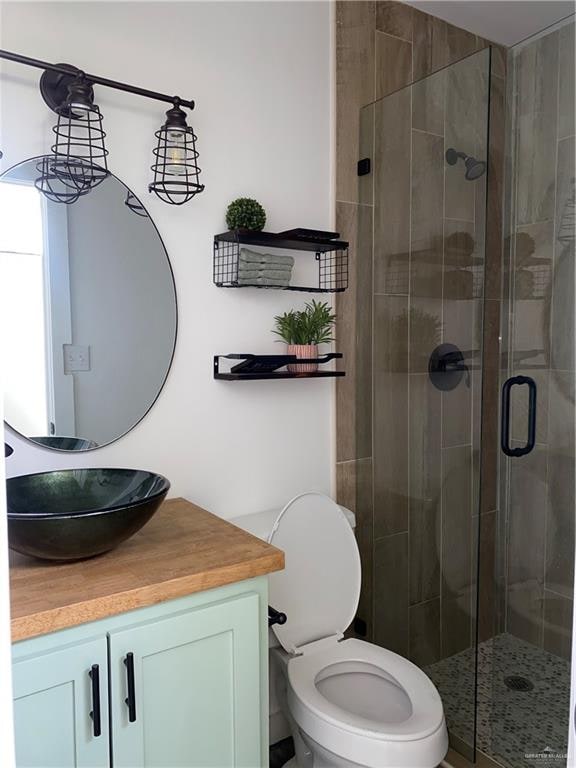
x=245 y=213
x=303 y=330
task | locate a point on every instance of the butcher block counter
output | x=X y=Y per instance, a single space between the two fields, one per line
x=184 y=549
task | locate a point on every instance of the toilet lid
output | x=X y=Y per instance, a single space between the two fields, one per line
x=319 y=588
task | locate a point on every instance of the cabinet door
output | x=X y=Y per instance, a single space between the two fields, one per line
x=196 y=689
x=53 y=699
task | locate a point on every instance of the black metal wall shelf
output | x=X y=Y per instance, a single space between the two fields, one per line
x=331 y=253
x=252 y=367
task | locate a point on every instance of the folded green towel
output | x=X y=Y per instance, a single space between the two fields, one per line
x=251 y=257
x=278 y=282
x=266 y=272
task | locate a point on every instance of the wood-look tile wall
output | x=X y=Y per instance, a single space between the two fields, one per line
x=399 y=456
x=539 y=540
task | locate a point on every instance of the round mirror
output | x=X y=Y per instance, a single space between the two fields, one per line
x=88 y=311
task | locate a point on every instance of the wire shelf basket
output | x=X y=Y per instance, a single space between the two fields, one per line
x=331 y=255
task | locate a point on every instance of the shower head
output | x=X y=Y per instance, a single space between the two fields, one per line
x=474 y=168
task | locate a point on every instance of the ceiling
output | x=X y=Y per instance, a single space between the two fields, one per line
x=502 y=21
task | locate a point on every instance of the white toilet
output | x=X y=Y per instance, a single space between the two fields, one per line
x=349 y=703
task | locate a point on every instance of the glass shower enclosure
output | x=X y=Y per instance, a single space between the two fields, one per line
x=469 y=219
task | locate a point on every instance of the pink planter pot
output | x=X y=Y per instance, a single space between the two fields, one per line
x=303 y=351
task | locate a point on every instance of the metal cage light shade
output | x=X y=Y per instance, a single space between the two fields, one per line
x=52 y=186
x=176 y=172
x=79 y=154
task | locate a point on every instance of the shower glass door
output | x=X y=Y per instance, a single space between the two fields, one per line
x=422 y=230
x=524 y=668
x=469 y=555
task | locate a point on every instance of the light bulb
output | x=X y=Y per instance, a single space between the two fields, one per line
x=176 y=153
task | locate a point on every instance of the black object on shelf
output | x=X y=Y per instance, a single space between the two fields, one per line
x=267 y=367
x=260 y=363
x=301 y=233
x=331 y=254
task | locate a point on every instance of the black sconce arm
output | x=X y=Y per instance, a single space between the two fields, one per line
x=95 y=79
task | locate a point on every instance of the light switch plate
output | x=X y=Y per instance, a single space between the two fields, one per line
x=76 y=358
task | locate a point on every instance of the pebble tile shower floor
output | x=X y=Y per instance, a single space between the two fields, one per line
x=517 y=728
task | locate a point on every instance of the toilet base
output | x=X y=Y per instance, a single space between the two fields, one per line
x=311 y=754
x=320 y=757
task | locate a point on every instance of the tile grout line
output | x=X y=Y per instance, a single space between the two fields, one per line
x=429 y=133
x=352 y=202
x=558 y=594
x=389 y=34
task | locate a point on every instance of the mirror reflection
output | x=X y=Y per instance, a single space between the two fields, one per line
x=88 y=312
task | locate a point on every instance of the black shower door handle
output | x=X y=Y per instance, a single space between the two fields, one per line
x=505 y=426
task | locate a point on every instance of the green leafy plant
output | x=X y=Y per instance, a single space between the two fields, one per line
x=312 y=325
x=423 y=327
x=245 y=213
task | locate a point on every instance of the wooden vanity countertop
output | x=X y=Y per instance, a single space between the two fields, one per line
x=183 y=549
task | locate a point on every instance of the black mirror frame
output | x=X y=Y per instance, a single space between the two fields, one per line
x=7 y=424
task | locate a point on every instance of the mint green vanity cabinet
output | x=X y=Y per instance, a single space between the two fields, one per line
x=196 y=693
x=52 y=705
x=198 y=696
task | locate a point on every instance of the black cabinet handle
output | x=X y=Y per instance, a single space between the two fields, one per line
x=94 y=674
x=505 y=422
x=130 y=701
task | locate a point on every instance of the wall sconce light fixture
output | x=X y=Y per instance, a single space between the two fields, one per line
x=79 y=154
x=176 y=172
x=78 y=161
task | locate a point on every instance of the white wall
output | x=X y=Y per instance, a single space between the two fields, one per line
x=260 y=75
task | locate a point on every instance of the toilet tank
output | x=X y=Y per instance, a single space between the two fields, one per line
x=260 y=524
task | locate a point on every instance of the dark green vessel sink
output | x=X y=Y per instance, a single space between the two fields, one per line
x=73 y=514
x=61 y=443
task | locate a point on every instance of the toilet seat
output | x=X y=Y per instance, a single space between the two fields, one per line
x=348 y=701
x=425 y=713
x=319 y=588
